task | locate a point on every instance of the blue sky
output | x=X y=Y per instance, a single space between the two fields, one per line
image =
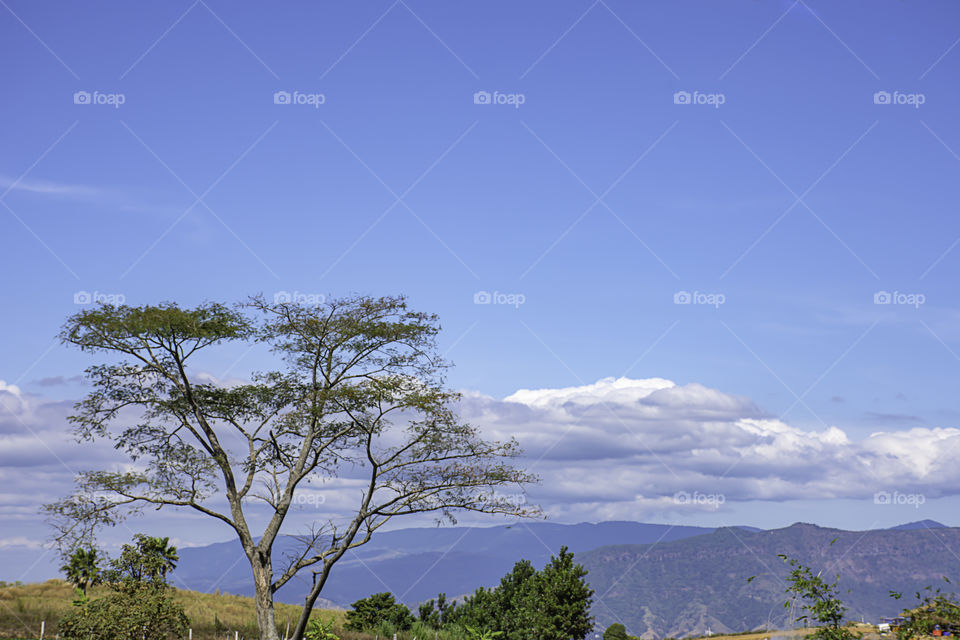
x=781 y=162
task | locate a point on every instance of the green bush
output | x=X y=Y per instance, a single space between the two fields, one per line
x=371 y=613
x=140 y=605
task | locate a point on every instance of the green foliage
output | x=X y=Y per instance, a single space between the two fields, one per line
x=934 y=608
x=476 y=634
x=373 y=612
x=320 y=630
x=616 y=631
x=149 y=560
x=81 y=569
x=551 y=604
x=140 y=605
x=820 y=600
x=353 y=375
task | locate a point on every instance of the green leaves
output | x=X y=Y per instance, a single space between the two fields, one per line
x=81 y=569
x=551 y=604
x=820 y=601
x=369 y=613
x=139 y=605
x=358 y=386
x=932 y=609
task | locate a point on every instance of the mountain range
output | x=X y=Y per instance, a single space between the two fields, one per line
x=658 y=580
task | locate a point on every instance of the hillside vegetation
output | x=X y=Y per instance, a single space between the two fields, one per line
x=24 y=607
x=687 y=587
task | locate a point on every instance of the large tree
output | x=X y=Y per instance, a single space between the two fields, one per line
x=361 y=394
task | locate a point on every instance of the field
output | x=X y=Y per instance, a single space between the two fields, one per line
x=23 y=608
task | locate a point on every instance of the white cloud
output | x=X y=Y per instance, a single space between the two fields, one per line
x=615 y=449
x=628 y=446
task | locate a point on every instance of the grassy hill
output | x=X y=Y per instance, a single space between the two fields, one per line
x=24 y=607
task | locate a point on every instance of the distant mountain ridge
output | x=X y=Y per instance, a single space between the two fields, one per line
x=658 y=580
x=415 y=564
x=690 y=586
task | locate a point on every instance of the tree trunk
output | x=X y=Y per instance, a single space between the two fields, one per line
x=262 y=579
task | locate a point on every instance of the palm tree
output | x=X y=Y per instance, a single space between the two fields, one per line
x=82 y=570
x=162 y=557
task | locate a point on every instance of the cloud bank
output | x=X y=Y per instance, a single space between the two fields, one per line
x=615 y=449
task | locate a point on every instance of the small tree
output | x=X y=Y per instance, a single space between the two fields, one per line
x=369 y=613
x=565 y=599
x=616 y=631
x=551 y=604
x=139 y=606
x=82 y=570
x=934 y=608
x=360 y=390
x=820 y=600
x=428 y=615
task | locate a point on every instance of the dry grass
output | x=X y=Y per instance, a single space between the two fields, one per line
x=23 y=608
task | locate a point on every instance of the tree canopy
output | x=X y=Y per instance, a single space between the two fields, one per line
x=361 y=390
